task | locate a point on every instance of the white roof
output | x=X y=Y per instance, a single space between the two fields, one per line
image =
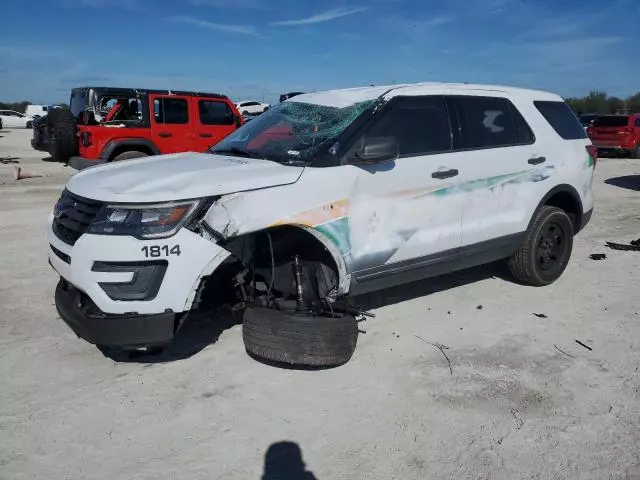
x=349 y=96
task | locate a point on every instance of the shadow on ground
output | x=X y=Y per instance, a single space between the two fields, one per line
x=283 y=461
x=630 y=182
x=199 y=330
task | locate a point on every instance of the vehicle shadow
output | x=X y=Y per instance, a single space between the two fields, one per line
x=283 y=461
x=421 y=288
x=630 y=182
x=49 y=159
x=200 y=329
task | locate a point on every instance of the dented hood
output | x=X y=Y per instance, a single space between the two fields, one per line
x=175 y=177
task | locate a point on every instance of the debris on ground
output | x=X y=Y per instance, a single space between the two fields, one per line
x=562 y=351
x=479 y=307
x=633 y=246
x=597 y=256
x=540 y=315
x=440 y=347
x=6 y=160
x=20 y=174
x=583 y=345
x=635 y=243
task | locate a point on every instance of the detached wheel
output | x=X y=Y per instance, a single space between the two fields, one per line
x=129 y=156
x=298 y=339
x=63 y=142
x=545 y=253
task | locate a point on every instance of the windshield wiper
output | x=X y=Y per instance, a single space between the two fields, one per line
x=235 y=152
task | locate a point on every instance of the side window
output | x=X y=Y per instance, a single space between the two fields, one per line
x=215 y=113
x=419 y=124
x=44 y=109
x=488 y=122
x=174 y=111
x=523 y=130
x=562 y=119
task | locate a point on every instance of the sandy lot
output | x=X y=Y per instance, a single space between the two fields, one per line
x=514 y=408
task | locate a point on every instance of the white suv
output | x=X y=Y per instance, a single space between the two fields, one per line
x=252 y=108
x=323 y=197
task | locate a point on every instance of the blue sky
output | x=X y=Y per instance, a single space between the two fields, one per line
x=255 y=49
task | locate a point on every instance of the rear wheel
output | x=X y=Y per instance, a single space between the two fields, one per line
x=129 y=155
x=545 y=253
x=63 y=142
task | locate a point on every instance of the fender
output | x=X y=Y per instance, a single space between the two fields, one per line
x=562 y=188
x=129 y=143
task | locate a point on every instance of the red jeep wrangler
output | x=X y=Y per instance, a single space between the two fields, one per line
x=107 y=124
x=616 y=133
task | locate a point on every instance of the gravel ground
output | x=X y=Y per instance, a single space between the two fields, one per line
x=515 y=407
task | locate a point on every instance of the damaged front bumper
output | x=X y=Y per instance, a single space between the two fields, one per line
x=122 y=330
x=112 y=293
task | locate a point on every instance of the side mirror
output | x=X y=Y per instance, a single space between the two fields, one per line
x=237 y=120
x=377 y=149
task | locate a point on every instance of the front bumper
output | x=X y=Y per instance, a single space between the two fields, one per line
x=126 y=330
x=88 y=266
x=80 y=163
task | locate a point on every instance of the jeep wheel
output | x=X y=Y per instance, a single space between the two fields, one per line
x=299 y=339
x=129 y=155
x=545 y=253
x=63 y=143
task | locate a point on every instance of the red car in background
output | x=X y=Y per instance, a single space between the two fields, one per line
x=616 y=133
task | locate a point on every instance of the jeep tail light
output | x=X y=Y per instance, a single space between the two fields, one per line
x=86 y=139
x=593 y=153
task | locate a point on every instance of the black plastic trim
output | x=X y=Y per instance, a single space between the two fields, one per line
x=61 y=255
x=131 y=290
x=563 y=188
x=80 y=163
x=385 y=276
x=129 y=144
x=126 y=330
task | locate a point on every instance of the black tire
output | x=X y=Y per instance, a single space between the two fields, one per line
x=245 y=114
x=635 y=153
x=129 y=155
x=298 y=339
x=29 y=124
x=546 y=250
x=63 y=142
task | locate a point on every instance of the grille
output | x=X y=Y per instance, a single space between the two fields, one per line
x=72 y=216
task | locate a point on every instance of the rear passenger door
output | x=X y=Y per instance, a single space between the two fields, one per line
x=171 y=127
x=214 y=121
x=502 y=171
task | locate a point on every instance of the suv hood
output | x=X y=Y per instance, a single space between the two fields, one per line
x=177 y=177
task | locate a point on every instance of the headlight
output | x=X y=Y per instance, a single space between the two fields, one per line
x=143 y=221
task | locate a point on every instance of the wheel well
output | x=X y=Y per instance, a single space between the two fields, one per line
x=129 y=148
x=567 y=201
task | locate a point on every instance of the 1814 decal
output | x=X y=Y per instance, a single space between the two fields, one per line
x=156 y=251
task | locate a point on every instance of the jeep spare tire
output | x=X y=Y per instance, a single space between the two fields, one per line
x=63 y=141
x=299 y=339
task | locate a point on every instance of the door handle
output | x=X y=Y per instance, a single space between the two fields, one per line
x=206 y=135
x=445 y=173
x=537 y=160
x=164 y=134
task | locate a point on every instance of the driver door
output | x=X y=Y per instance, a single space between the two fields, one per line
x=406 y=213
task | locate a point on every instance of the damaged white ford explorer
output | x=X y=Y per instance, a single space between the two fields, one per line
x=322 y=198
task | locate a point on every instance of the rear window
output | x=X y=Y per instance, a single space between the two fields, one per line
x=611 y=121
x=491 y=122
x=562 y=119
